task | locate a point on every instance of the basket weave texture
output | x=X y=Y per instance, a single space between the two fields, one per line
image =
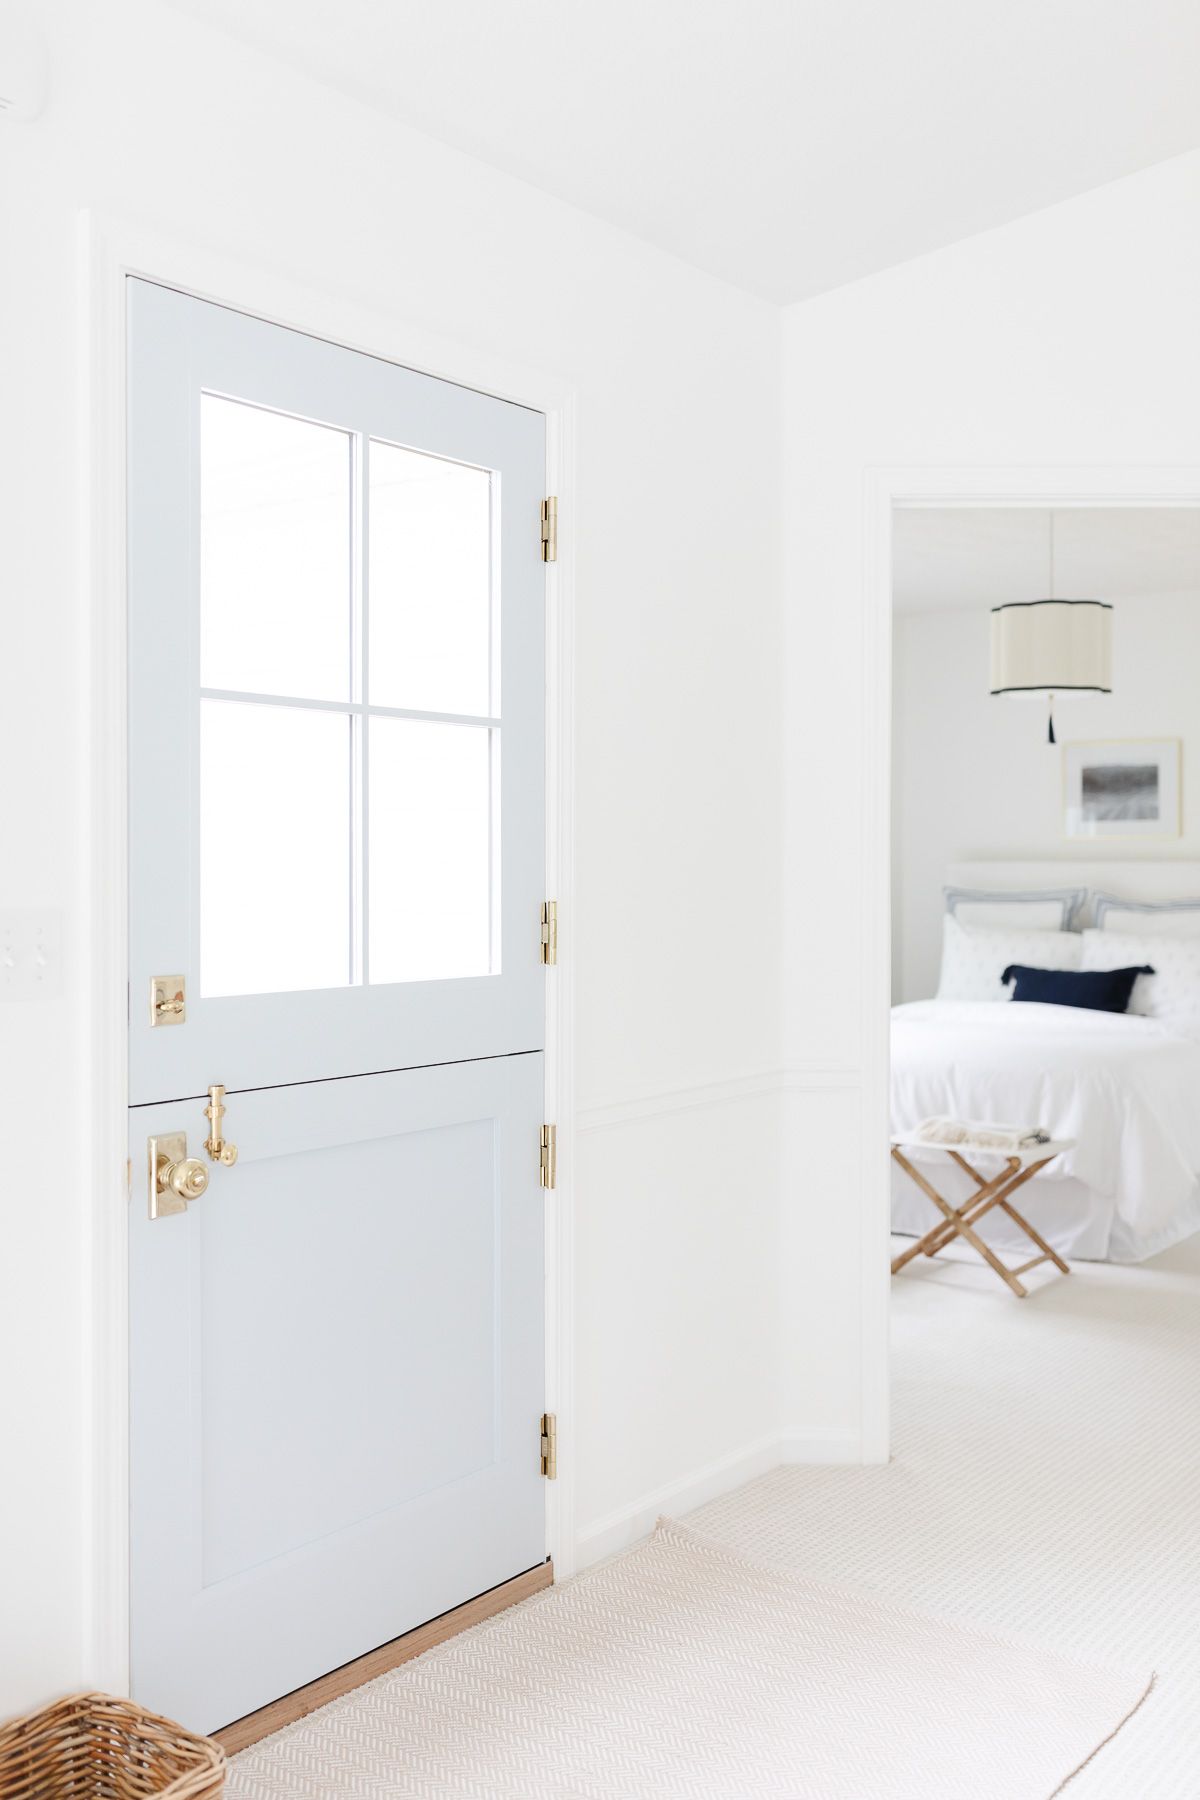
x=96 y=1747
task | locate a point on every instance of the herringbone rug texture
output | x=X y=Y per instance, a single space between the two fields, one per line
x=683 y=1669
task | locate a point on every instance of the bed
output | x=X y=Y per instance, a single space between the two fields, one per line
x=1125 y=1086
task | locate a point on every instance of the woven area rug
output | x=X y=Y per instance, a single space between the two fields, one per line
x=683 y=1669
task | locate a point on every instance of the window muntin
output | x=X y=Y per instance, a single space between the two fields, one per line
x=349 y=709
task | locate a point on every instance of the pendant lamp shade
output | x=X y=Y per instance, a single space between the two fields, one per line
x=1052 y=647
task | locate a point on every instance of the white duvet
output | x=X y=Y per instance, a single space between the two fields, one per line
x=1124 y=1087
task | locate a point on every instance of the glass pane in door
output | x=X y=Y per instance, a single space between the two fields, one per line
x=433 y=643
x=275 y=848
x=276 y=532
x=432 y=854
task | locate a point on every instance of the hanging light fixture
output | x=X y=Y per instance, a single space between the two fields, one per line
x=1052 y=646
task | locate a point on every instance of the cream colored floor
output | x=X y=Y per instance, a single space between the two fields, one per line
x=1045 y=1481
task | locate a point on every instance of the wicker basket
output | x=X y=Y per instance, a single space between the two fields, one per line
x=94 y=1747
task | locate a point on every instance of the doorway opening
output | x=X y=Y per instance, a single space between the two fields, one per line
x=1026 y=876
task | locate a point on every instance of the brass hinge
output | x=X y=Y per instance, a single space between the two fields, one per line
x=549 y=931
x=549 y=1446
x=550 y=530
x=547 y=1167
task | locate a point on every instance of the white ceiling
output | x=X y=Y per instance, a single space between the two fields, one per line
x=785 y=145
x=982 y=557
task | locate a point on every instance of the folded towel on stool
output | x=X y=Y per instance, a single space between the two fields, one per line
x=980 y=1135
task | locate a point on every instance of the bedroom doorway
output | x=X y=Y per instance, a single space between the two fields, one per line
x=1041 y=829
x=1040 y=1482
x=336 y=1040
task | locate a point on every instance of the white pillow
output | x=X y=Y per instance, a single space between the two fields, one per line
x=1172 y=993
x=1147 y=918
x=1045 y=909
x=975 y=957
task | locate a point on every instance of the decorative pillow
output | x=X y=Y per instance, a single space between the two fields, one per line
x=1172 y=993
x=1147 y=918
x=974 y=958
x=1101 y=990
x=1046 y=909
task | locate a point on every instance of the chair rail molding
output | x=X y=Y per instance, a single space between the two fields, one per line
x=721 y=1091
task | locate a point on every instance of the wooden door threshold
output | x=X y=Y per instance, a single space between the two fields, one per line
x=300 y=1701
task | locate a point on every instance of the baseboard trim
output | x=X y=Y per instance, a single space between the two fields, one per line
x=818 y=1447
x=626 y=1526
x=302 y=1701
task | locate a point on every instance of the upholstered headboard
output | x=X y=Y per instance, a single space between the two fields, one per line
x=1129 y=880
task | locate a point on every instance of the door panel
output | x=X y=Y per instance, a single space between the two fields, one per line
x=334 y=1352
x=331 y=559
x=336 y=829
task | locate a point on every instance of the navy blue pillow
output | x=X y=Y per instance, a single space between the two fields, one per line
x=1102 y=990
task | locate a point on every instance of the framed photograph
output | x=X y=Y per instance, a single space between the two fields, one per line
x=1123 y=789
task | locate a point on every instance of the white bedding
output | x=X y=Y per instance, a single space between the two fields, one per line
x=1125 y=1087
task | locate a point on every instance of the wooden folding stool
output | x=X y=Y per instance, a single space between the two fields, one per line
x=996 y=1190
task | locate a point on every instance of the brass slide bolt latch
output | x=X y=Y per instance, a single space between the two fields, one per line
x=216 y=1147
x=174 y=1177
x=168 y=1000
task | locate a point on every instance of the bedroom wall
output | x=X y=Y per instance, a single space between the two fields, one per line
x=974 y=778
x=1066 y=338
x=160 y=120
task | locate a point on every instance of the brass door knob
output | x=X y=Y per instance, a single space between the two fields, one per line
x=188 y=1178
x=174 y=1176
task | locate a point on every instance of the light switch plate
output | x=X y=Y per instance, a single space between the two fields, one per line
x=30 y=954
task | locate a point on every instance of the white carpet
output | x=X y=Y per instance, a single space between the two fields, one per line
x=684 y=1669
x=1045 y=1481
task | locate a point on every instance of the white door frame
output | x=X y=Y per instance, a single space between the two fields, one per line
x=886 y=488
x=110 y=250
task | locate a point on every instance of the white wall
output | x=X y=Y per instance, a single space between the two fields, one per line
x=1068 y=338
x=677 y=712
x=975 y=779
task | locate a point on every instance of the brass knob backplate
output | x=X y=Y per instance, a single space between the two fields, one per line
x=174 y=1177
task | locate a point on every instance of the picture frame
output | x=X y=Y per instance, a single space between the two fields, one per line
x=1122 y=788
